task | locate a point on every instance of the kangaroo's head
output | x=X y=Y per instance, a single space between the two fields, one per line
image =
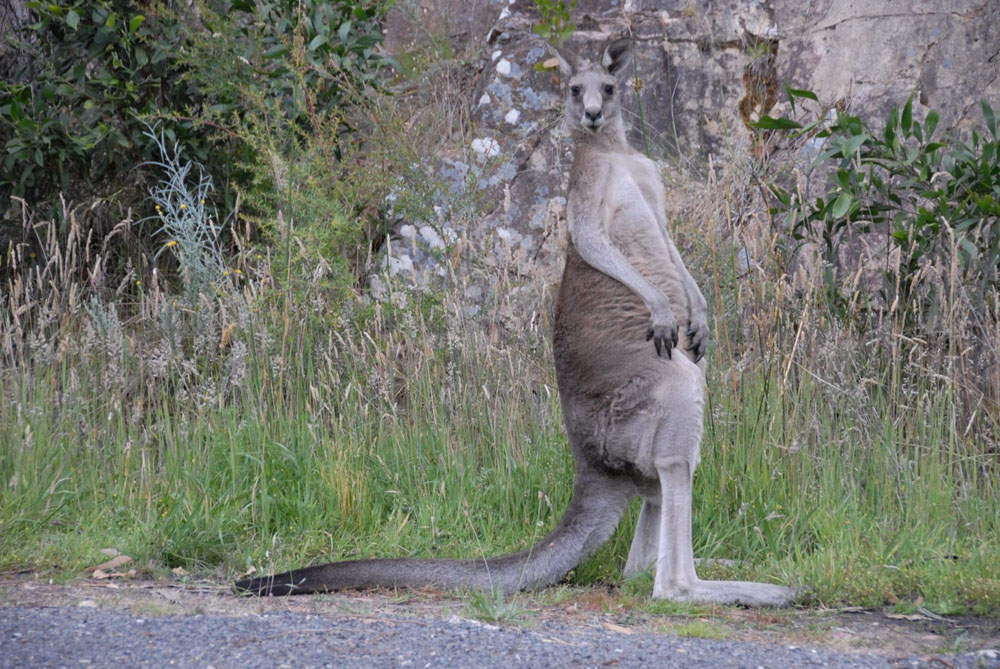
x=592 y=91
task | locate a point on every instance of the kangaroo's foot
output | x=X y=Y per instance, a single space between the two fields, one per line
x=744 y=593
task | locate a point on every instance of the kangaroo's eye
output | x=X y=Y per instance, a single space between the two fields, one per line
x=575 y=91
x=609 y=89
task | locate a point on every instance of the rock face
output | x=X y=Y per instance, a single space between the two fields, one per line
x=701 y=71
x=874 y=54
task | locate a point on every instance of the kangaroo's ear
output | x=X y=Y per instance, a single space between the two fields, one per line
x=567 y=63
x=617 y=55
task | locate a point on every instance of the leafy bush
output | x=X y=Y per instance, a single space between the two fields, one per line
x=556 y=24
x=217 y=78
x=937 y=199
x=288 y=81
x=298 y=60
x=71 y=117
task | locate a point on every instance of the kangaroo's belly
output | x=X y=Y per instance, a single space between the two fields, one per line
x=601 y=325
x=615 y=390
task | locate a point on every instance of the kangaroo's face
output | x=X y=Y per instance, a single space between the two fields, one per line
x=592 y=91
x=592 y=99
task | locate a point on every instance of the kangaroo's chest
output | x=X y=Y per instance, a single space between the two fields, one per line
x=635 y=221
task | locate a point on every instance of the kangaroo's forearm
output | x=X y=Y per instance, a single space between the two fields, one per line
x=598 y=252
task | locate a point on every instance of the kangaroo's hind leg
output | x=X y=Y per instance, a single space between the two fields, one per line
x=676 y=454
x=646 y=540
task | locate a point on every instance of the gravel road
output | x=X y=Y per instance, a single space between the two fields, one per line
x=92 y=636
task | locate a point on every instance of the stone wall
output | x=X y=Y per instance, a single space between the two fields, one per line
x=702 y=68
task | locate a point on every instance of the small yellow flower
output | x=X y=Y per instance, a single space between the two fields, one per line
x=184 y=206
x=260 y=257
x=237 y=272
x=226 y=273
x=138 y=283
x=172 y=242
x=203 y=202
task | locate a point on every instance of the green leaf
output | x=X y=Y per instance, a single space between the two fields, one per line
x=136 y=21
x=72 y=19
x=907 y=121
x=276 y=51
x=345 y=28
x=783 y=195
x=991 y=121
x=768 y=123
x=969 y=248
x=930 y=123
x=801 y=93
x=317 y=42
x=841 y=205
x=851 y=146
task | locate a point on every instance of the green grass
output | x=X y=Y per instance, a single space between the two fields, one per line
x=271 y=424
x=456 y=450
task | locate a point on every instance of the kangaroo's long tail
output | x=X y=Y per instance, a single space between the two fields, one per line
x=597 y=506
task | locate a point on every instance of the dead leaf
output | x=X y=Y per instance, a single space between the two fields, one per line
x=617 y=628
x=251 y=570
x=98 y=573
x=113 y=563
x=179 y=571
x=550 y=63
x=906 y=616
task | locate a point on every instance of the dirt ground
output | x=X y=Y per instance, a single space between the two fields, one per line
x=852 y=630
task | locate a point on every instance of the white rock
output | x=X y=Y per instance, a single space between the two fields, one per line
x=432 y=237
x=486 y=147
x=512 y=117
x=485 y=100
x=503 y=67
x=401 y=263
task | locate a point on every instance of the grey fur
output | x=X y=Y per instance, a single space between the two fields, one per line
x=633 y=408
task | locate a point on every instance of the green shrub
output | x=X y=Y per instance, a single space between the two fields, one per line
x=555 y=24
x=299 y=58
x=71 y=119
x=937 y=199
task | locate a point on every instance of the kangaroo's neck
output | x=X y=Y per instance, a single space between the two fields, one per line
x=609 y=138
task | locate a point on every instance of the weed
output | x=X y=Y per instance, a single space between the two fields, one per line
x=496 y=607
x=700 y=629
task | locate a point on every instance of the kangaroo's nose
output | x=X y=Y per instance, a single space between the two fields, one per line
x=592 y=114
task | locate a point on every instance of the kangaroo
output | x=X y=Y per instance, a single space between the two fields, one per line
x=629 y=339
